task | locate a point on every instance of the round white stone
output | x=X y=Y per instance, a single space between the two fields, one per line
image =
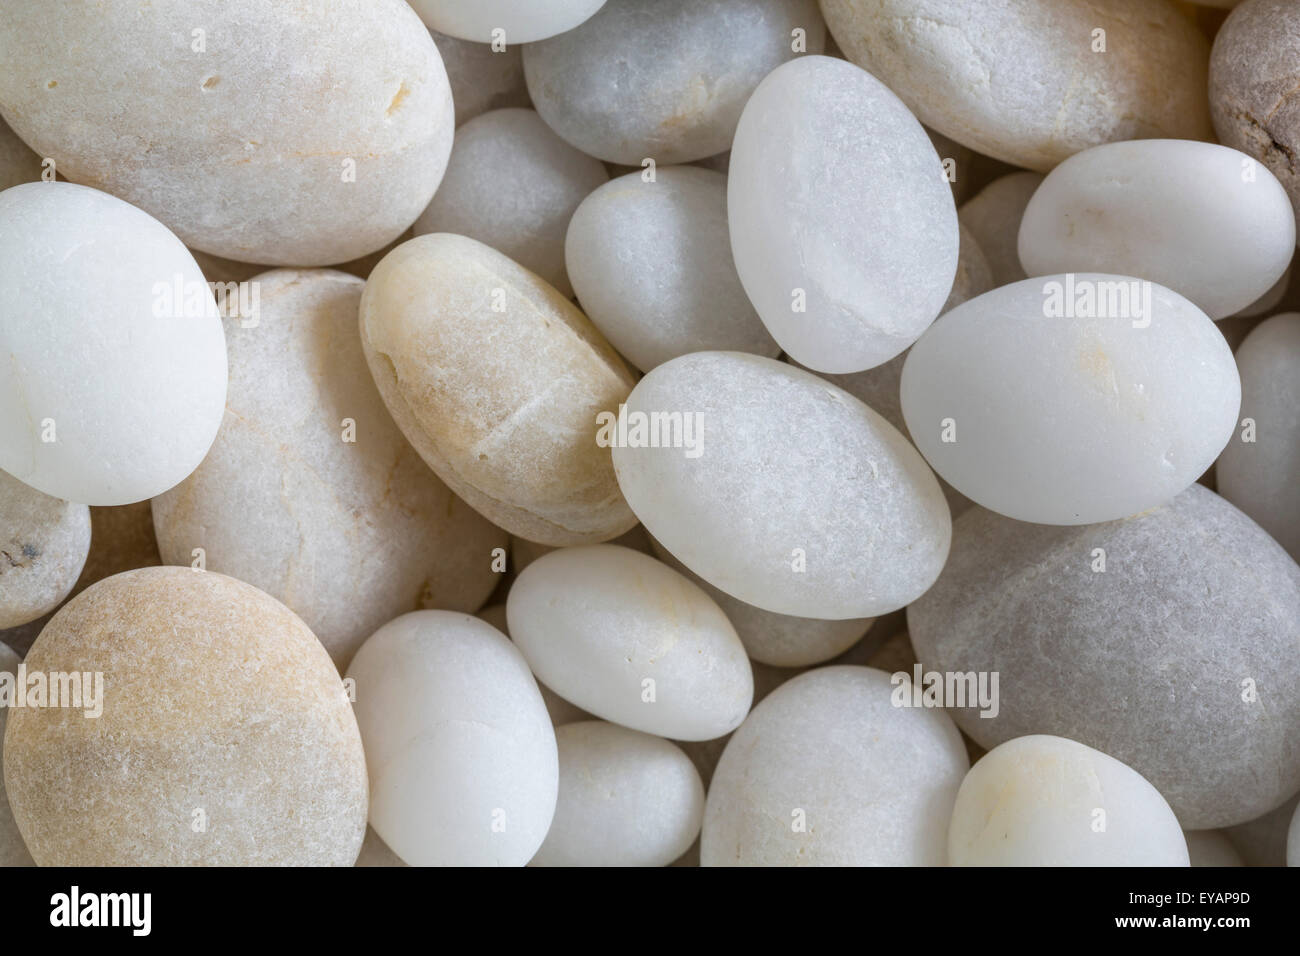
x=626 y=799
x=512 y=184
x=461 y=754
x=1204 y=220
x=519 y=21
x=628 y=639
x=1262 y=477
x=842 y=223
x=796 y=497
x=115 y=380
x=1071 y=418
x=1049 y=801
x=827 y=771
x=651 y=263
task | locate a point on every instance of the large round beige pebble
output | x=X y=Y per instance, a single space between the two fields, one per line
x=626 y=799
x=1028 y=81
x=461 y=754
x=219 y=708
x=497 y=379
x=280 y=133
x=43 y=547
x=827 y=771
x=310 y=492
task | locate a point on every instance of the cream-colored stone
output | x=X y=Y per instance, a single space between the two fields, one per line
x=294 y=134
x=310 y=492
x=497 y=379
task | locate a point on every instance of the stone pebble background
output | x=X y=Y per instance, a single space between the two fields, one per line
x=328 y=339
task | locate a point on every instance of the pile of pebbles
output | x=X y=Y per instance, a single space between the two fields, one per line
x=650 y=432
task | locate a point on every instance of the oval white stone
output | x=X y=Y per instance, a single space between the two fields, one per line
x=1049 y=801
x=1204 y=220
x=115 y=392
x=626 y=799
x=652 y=266
x=842 y=223
x=1071 y=418
x=630 y=640
x=461 y=754
x=828 y=771
x=797 y=498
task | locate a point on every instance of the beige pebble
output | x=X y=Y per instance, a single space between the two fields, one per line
x=226 y=736
x=497 y=380
x=1028 y=81
x=43 y=546
x=281 y=133
x=310 y=492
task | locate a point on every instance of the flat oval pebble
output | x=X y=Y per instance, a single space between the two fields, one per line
x=1254 y=71
x=1031 y=82
x=1071 y=399
x=117 y=393
x=843 y=225
x=310 y=483
x=269 y=133
x=778 y=640
x=1049 y=801
x=1259 y=470
x=461 y=754
x=993 y=216
x=1139 y=209
x=481 y=78
x=512 y=184
x=43 y=547
x=497 y=380
x=1170 y=641
x=631 y=641
x=519 y=21
x=13 y=851
x=663 y=79
x=651 y=263
x=216 y=705
x=626 y=799
x=791 y=495
x=826 y=771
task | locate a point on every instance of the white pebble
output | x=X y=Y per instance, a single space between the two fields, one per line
x=842 y=223
x=797 y=498
x=1204 y=220
x=630 y=640
x=626 y=799
x=518 y=21
x=1071 y=419
x=1049 y=801
x=651 y=263
x=461 y=754
x=827 y=771
x=116 y=394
